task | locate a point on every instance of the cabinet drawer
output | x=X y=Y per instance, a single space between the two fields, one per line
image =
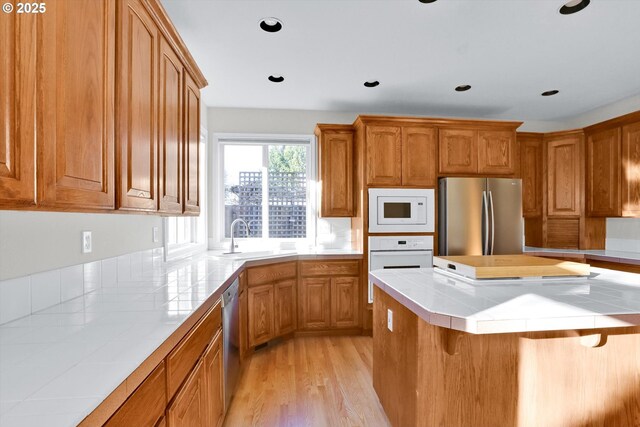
x=146 y=405
x=271 y=273
x=185 y=355
x=330 y=268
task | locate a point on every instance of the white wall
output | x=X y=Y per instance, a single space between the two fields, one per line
x=31 y=242
x=606 y=112
x=623 y=234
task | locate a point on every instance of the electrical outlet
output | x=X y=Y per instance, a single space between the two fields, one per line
x=390 y=320
x=87 y=244
x=156 y=235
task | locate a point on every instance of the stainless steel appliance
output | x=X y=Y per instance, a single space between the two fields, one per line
x=401 y=210
x=480 y=216
x=230 y=340
x=399 y=252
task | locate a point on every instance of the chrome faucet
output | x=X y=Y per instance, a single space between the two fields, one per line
x=233 y=223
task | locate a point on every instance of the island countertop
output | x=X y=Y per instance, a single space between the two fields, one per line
x=606 y=299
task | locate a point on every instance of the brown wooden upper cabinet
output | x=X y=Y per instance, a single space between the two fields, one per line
x=613 y=165
x=191 y=148
x=531 y=157
x=468 y=151
x=564 y=173
x=75 y=118
x=17 y=109
x=137 y=108
x=401 y=155
x=335 y=166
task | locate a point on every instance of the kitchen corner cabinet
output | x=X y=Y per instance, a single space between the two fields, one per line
x=603 y=173
x=17 y=109
x=271 y=302
x=531 y=158
x=75 y=100
x=335 y=166
x=329 y=295
x=467 y=151
x=401 y=155
x=564 y=174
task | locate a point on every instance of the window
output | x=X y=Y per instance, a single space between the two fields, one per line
x=184 y=235
x=268 y=181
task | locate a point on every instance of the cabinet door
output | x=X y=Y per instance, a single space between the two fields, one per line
x=496 y=152
x=531 y=172
x=563 y=181
x=17 y=109
x=315 y=303
x=261 y=321
x=189 y=406
x=191 y=146
x=285 y=307
x=603 y=173
x=458 y=151
x=384 y=155
x=76 y=105
x=137 y=108
x=419 y=156
x=335 y=162
x=214 y=382
x=631 y=170
x=170 y=130
x=345 y=302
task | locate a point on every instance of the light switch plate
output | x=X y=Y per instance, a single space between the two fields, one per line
x=156 y=235
x=390 y=320
x=87 y=244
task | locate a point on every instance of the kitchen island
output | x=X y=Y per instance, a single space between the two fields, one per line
x=535 y=353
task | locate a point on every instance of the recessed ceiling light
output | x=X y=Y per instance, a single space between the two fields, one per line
x=550 y=92
x=271 y=25
x=373 y=83
x=574 y=6
x=463 y=88
x=427 y=1
x=276 y=79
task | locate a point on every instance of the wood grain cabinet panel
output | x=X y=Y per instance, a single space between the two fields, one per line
x=335 y=166
x=261 y=314
x=458 y=151
x=75 y=119
x=419 y=156
x=191 y=146
x=564 y=176
x=384 y=155
x=170 y=130
x=496 y=152
x=137 y=108
x=330 y=268
x=214 y=382
x=271 y=273
x=17 y=109
x=531 y=172
x=603 y=173
x=315 y=303
x=285 y=307
x=563 y=233
x=145 y=407
x=189 y=408
x=631 y=170
x=345 y=302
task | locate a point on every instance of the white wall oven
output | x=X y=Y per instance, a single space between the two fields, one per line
x=394 y=252
x=401 y=210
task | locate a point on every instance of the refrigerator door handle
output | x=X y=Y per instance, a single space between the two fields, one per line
x=493 y=225
x=485 y=233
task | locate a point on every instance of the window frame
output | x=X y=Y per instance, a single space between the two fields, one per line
x=262 y=139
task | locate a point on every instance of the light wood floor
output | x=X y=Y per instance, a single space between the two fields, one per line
x=308 y=381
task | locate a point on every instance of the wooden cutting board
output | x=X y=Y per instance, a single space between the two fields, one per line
x=503 y=266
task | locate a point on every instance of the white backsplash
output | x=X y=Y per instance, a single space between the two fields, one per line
x=623 y=234
x=26 y=295
x=333 y=233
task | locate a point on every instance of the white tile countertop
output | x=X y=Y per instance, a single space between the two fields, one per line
x=606 y=299
x=595 y=254
x=57 y=365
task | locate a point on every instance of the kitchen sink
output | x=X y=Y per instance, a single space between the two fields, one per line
x=252 y=254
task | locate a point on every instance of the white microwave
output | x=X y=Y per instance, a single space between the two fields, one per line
x=393 y=210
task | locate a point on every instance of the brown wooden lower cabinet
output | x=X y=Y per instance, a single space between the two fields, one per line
x=315 y=303
x=285 y=307
x=214 y=381
x=261 y=314
x=189 y=406
x=344 y=302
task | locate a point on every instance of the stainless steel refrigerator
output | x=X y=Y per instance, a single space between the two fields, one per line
x=480 y=216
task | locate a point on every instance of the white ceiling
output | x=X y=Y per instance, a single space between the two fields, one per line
x=510 y=51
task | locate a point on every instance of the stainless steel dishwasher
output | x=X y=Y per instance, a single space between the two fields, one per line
x=230 y=340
